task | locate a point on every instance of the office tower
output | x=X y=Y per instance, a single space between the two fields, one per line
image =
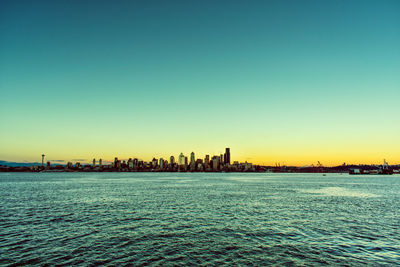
x=94 y=163
x=215 y=163
x=181 y=159
x=154 y=162
x=117 y=163
x=130 y=163
x=192 y=162
x=186 y=161
x=100 y=162
x=227 y=156
x=161 y=163
x=172 y=160
x=221 y=159
x=207 y=161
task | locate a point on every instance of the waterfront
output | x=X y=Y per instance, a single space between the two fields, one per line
x=199 y=218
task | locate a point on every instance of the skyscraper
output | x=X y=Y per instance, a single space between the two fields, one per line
x=227 y=157
x=181 y=159
x=161 y=163
x=207 y=160
x=94 y=163
x=192 y=162
x=172 y=160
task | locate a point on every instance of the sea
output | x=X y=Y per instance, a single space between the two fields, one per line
x=206 y=219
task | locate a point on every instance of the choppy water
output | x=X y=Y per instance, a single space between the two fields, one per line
x=194 y=219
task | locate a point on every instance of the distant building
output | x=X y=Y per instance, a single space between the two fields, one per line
x=94 y=163
x=181 y=159
x=227 y=156
x=215 y=164
x=161 y=163
x=154 y=163
x=192 y=162
x=100 y=162
x=172 y=160
x=207 y=161
x=130 y=163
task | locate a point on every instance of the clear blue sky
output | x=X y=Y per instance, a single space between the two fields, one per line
x=277 y=81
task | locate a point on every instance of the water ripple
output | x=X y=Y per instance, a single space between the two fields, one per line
x=198 y=219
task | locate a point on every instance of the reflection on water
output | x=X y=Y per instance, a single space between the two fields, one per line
x=339 y=192
x=198 y=219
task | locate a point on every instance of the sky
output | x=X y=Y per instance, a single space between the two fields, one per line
x=289 y=82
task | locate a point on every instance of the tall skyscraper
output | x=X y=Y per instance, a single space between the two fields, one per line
x=192 y=160
x=227 y=155
x=161 y=163
x=181 y=159
x=100 y=162
x=94 y=163
x=172 y=160
x=207 y=160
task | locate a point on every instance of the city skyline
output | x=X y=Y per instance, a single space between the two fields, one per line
x=293 y=82
x=181 y=159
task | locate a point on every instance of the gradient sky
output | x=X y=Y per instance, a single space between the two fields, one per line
x=294 y=82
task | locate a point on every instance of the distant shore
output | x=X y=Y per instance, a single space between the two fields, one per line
x=353 y=169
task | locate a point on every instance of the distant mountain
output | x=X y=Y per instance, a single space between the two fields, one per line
x=22 y=164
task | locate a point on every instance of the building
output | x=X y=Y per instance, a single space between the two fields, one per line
x=115 y=162
x=100 y=162
x=227 y=156
x=192 y=162
x=181 y=159
x=94 y=163
x=130 y=163
x=215 y=163
x=154 y=163
x=161 y=163
x=172 y=160
x=207 y=161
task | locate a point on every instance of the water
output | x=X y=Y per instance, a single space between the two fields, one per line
x=199 y=219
